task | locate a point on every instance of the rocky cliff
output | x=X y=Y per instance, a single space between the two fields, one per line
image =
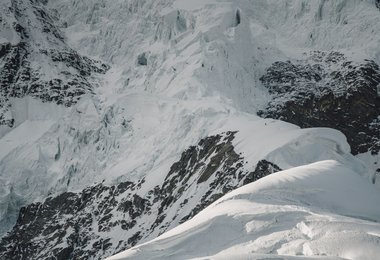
x=328 y=90
x=35 y=61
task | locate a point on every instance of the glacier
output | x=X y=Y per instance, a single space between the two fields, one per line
x=135 y=118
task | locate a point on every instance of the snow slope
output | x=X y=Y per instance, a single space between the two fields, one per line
x=312 y=210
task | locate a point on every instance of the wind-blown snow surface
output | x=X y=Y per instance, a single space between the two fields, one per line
x=312 y=210
x=201 y=78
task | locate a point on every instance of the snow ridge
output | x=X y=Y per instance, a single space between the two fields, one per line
x=293 y=214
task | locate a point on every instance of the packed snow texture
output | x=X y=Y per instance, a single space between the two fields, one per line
x=312 y=210
x=201 y=77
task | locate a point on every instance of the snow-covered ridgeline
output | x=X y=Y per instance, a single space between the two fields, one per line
x=310 y=211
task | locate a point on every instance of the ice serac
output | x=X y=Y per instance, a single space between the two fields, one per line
x=141 y=113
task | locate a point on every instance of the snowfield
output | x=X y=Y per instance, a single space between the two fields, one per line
x=308 y=212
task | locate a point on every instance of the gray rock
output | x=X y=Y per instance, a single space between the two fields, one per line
x=327 y=90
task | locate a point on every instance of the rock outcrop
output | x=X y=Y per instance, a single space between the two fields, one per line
x=103 y=220
x=328 y=90
x=38 y=63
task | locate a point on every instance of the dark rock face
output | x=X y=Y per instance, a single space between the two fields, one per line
x=263 y=168
x=103 y=220
x=24 y=66
x=327 y=90
x=213 y=156
x=73 y=225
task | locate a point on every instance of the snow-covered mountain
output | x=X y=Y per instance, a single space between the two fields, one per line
x=120 y=120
